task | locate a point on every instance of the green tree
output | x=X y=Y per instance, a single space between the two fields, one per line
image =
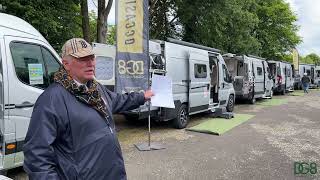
x=311 y=59
x=57 y=20
x=276 y=30
x=111 y=35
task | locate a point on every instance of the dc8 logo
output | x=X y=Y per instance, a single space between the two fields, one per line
x=305 y=168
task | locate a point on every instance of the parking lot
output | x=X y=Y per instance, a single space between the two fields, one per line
x=265 y=147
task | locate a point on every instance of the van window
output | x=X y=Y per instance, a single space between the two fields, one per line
x=51 y=64
x=104 y=68
x=34 y=65
x=225 y=73
x=308 y=72
x=259 y=71
x=288 y=73
x=200 y=71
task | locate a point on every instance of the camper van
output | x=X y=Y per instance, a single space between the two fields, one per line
x=282 y=74
x=28 y=63
x=200 y=81
x=105 y=59
x=251 y=77
x=310 y=70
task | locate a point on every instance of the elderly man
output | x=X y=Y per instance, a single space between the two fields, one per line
x=71 y=133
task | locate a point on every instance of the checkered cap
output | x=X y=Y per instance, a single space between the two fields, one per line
x=76 y=47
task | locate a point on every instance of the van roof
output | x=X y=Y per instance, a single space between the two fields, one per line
x=14 y=26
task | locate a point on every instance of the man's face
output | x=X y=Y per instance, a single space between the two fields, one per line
x=81 y=69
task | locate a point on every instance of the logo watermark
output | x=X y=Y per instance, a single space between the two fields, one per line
x=304 y=168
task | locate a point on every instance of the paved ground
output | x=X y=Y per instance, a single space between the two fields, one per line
x=264 y=147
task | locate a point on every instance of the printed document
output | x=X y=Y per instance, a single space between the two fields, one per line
x=162 y=89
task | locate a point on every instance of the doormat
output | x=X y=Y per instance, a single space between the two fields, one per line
x=218 y=126
x=271 y=102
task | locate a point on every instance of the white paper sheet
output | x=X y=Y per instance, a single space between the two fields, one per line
x=162 y=88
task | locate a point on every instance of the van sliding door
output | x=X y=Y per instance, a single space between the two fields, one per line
x=199 y=84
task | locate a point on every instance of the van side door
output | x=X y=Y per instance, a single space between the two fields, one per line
x=199 y=86
x=268 y=80
x=31 y=64
x=225 y=85
x=259 y=78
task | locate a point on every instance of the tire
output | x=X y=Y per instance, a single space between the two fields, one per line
x=230 y=105
x=252 y=100
x=182 y=117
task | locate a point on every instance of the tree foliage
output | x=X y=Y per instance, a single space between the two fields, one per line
x=57 y=20
x=311 y=59
x=260 y=27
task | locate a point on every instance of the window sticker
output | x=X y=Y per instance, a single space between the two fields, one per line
x=35 y=73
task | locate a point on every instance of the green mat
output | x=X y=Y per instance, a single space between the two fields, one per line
x=271 y=102
x=296 y=93
x=218 y=126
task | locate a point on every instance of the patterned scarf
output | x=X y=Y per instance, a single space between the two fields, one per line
x=90 y=95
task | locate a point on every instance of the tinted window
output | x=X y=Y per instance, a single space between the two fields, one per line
x=29 y=65
x=225 y=73
x=308 y=72
x=259 y=71
x=51 y=64
x=200 y=71
x=34 y=65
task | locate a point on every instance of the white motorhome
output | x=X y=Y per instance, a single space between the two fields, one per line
x=200 y=81
x=251 y=77
x=28 y=63
x=310 y=70
x=282 y=74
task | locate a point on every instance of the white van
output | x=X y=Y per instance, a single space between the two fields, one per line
x=200 y=81
x=310 y=70
x=28 y=63
x=251 y=77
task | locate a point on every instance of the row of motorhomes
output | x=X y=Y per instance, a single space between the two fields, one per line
x=202 y=80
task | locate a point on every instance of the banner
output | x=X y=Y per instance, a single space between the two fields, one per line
x=132 y=59
x=295 y=61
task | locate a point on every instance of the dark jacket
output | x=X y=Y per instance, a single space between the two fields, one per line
x=305 y=79
x=70 y=140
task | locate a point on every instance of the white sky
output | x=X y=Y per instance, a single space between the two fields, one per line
x=111 y=18
x=307 y=11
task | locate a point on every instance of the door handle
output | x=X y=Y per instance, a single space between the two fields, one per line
x=24 y=105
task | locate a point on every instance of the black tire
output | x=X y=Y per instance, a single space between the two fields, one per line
x=182 y=117
x=230 y=105
x=252 y=100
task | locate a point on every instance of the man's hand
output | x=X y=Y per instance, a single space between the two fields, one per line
x=148 y=94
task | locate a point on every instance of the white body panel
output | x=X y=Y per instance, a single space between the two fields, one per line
x=18 y=40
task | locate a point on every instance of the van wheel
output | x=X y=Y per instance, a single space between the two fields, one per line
x=230 y=104
x=182 y=117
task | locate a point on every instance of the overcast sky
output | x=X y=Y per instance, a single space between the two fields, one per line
x=308 y=12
